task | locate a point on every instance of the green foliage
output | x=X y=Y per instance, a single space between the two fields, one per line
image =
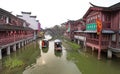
x=17 y=61
x=89 y=64
x=13 y=63
x=73 y=46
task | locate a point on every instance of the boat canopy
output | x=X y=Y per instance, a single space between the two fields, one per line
x=57 y=40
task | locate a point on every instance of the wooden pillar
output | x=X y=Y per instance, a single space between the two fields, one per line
x=99 y=54
x=14 y=47
x=74 y=40
x=8 y=50
x=23 y=43
x=109 y=53
x=117 y=40
x=0 y=54
x=18 y=45
x=78 y=41
x=92 y=48
x=110 y=40
x=99 y=49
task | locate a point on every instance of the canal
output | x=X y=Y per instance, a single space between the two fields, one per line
x=47 y=61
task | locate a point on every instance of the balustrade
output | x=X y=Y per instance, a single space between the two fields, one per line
x=10 y=39
x=104 y=43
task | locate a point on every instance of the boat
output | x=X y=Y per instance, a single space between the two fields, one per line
x=58 y=45
x=45 y=43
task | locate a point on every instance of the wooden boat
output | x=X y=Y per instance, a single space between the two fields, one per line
x=45 y=43
x=58 y=45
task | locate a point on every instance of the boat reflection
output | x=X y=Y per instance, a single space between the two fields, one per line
x=45 y=50
x=58 y=53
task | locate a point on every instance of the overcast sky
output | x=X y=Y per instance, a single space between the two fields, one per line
x=53 y=12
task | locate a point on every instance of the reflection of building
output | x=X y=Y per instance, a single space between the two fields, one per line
x=14 y=32
x=34 y=24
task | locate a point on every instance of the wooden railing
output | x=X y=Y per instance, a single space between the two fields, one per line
x=92 y=41
x=10 y=39
x=104 y=43
x=113 y=44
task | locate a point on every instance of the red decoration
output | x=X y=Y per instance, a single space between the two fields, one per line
x=99 y=26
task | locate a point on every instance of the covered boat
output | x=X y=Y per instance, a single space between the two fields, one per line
x=58 y=44
x=45 y=43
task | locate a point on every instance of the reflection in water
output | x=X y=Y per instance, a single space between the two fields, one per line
x=48 y=63
x=44 y=50
x=58 y=53
x=26 y=54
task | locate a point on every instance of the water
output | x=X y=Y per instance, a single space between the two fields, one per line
x=48 y=61
x=52 y=62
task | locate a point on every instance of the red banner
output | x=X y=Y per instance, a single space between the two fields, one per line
x=99 y=26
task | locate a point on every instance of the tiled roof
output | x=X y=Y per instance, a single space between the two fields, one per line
x=113 y=7
x=26 y=12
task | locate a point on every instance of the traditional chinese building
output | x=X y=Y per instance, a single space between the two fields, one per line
x=14 y=32
x=34 y=24
x=103 y=28
x=79 y=35
x=70 y=28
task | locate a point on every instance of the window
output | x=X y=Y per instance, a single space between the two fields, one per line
x=114 y=37
x=119 y=23
x=1 y=16
x=119 y=38
x=103 y=18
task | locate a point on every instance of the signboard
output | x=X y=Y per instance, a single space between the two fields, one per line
x=91 y=26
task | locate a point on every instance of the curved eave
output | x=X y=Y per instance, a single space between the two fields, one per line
x=92 y=9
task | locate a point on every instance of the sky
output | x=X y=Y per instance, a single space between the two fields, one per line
x=53 y=12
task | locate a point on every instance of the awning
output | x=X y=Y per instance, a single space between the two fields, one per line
x=79 y=31
x=107 y=31
x=103 y=31
x=90 y=31
x=57 y=40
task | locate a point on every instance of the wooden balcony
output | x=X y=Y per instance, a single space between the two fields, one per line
x=82 y=38
x=10 y=39
x=113 y=45
x=95 y=43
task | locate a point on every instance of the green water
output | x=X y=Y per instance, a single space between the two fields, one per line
x=25 y=55
x=52 y=62
x=69 y=61
x=88 y=63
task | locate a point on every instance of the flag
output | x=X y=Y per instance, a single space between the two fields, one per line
x=68 y=30
x=99 y=26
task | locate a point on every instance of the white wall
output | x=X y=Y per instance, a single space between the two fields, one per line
x=31 y=20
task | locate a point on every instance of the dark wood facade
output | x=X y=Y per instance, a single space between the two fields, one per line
x=70 y=28
x=109 y=35
x=12 y=28
x=79 y=35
